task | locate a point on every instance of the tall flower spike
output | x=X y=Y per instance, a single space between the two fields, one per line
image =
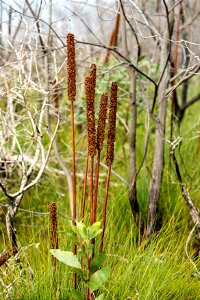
x=71 y=61
x=112 y=125
x=93 y=71
x=90 y=82
x=71 y=67
x=102 y=121
x=53 y=226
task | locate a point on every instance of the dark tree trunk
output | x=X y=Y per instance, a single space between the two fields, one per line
x=133 y=122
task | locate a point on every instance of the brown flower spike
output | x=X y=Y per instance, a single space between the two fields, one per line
x=90 y=83
x=53 y=226
x=71 y=67
x=102 y=121
x=93 y=74
x=53 y=240
x=112 y=125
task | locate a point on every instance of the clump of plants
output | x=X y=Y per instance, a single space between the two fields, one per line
x=87 y=234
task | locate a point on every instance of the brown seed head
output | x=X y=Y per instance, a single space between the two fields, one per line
x=71 y=67
x=102 y=121
x=112 y=125
x=93 y=71
x=90 y=82
x=114 y=37
x=53 y=226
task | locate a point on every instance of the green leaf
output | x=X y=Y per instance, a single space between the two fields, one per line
x=98 y=278
x=81 y=229
x=77 y=295
x=141 y=57
x=94 y=230
x=97 y=261
x=73 y=237
x=67 y=257
x=100 y=297
x=75 y=229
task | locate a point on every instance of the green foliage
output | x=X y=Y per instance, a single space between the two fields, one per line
x=99 y=278
x=67 y=257
x=77 y=295
x=100 y=297
x=92 y=275
x=94 y=230
x=97 y=261
x=155 y=270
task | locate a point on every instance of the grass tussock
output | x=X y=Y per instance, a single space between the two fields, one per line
x=156 y=270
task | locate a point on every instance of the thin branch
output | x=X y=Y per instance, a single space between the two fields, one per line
x=129 y=23
x=25 y=187
x=116 y=174
x=36 y=17
x=125 y=59
x=37 y=213
x=185 y=194
x=190 y=102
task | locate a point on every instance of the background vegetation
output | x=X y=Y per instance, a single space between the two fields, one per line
x=154 y=54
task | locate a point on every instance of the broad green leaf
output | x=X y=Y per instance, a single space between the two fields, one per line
x=67 y=257
x=97 y=261
x=81 y=229
x=95 y=233
x=77 y=295
x=94 y=230
x=98 y=278
x=100 y=297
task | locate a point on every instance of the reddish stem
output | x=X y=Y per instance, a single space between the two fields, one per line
x=74 y=180
x=105 y=208
x=91 y=189
x=84 y=188
x=73 y=164
x=96 y=185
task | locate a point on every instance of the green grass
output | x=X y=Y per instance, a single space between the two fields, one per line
x=156 y=269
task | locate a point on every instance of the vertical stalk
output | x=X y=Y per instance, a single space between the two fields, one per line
x=133 y=114
x=91 y=190
x=158 y=157
x=185 y=36
x=105 y=209
x=173 y=103
x=73 y=163
x=71 y=63
x=100 y=141
x=110 y=151
x=96 y=185
x=74 y=180
x=84 y=188
x=90 y=84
